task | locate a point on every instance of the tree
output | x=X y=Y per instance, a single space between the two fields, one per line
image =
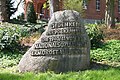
x=31 y=15
x=109 y=14
x=76 y=5
x=3 y=10
x=54 y=6
x=8 y=9
x=68 y=4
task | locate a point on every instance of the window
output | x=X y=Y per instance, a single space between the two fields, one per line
x=0 y=3
x=84 y=4
x=97 y=5
x=0 y=9
x=119 y=6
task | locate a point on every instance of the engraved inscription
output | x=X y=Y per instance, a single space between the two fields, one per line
x=57 y=44
x=44 y=52
x=64 y=31
x=66 y=24
x=62 y=39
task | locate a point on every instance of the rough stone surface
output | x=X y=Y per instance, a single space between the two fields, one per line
x=64 y=46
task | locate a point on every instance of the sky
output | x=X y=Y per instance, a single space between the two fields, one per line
x=20 y=8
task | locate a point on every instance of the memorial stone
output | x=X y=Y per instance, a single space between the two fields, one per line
x=64 y=46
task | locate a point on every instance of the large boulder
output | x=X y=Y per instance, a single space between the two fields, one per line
x=64 y=46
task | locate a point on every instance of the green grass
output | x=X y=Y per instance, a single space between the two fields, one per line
x=110 y=74
x=110 y=51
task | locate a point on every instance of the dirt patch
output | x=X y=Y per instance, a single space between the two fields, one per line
x=30 y=40
x=111 y=34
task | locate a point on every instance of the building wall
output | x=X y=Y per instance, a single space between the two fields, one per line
x=38 y=6
x=0 y=10
x=61 y=4
x=92 y=13
x=117 y=14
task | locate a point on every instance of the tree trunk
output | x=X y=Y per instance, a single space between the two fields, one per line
x=109 y=14
x=3 y=13
x=54 y=6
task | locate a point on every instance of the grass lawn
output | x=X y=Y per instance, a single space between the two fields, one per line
x=104 y=68
x=100 y=74
x=105 y=62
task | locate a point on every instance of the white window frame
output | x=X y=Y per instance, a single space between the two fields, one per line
x=119 y=6
x=84 y=4
x=97 y=5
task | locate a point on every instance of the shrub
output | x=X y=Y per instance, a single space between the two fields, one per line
x=35 y=27
x=95 y=34
x=9 y=59
x=21 y=17
x=31 y=15
x=10 y=34
x=9 y=37
x=110 y=51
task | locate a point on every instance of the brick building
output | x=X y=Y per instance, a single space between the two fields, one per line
x=94 y=9
x=38 y=6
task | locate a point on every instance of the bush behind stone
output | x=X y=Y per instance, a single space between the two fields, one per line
x=95 y=34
